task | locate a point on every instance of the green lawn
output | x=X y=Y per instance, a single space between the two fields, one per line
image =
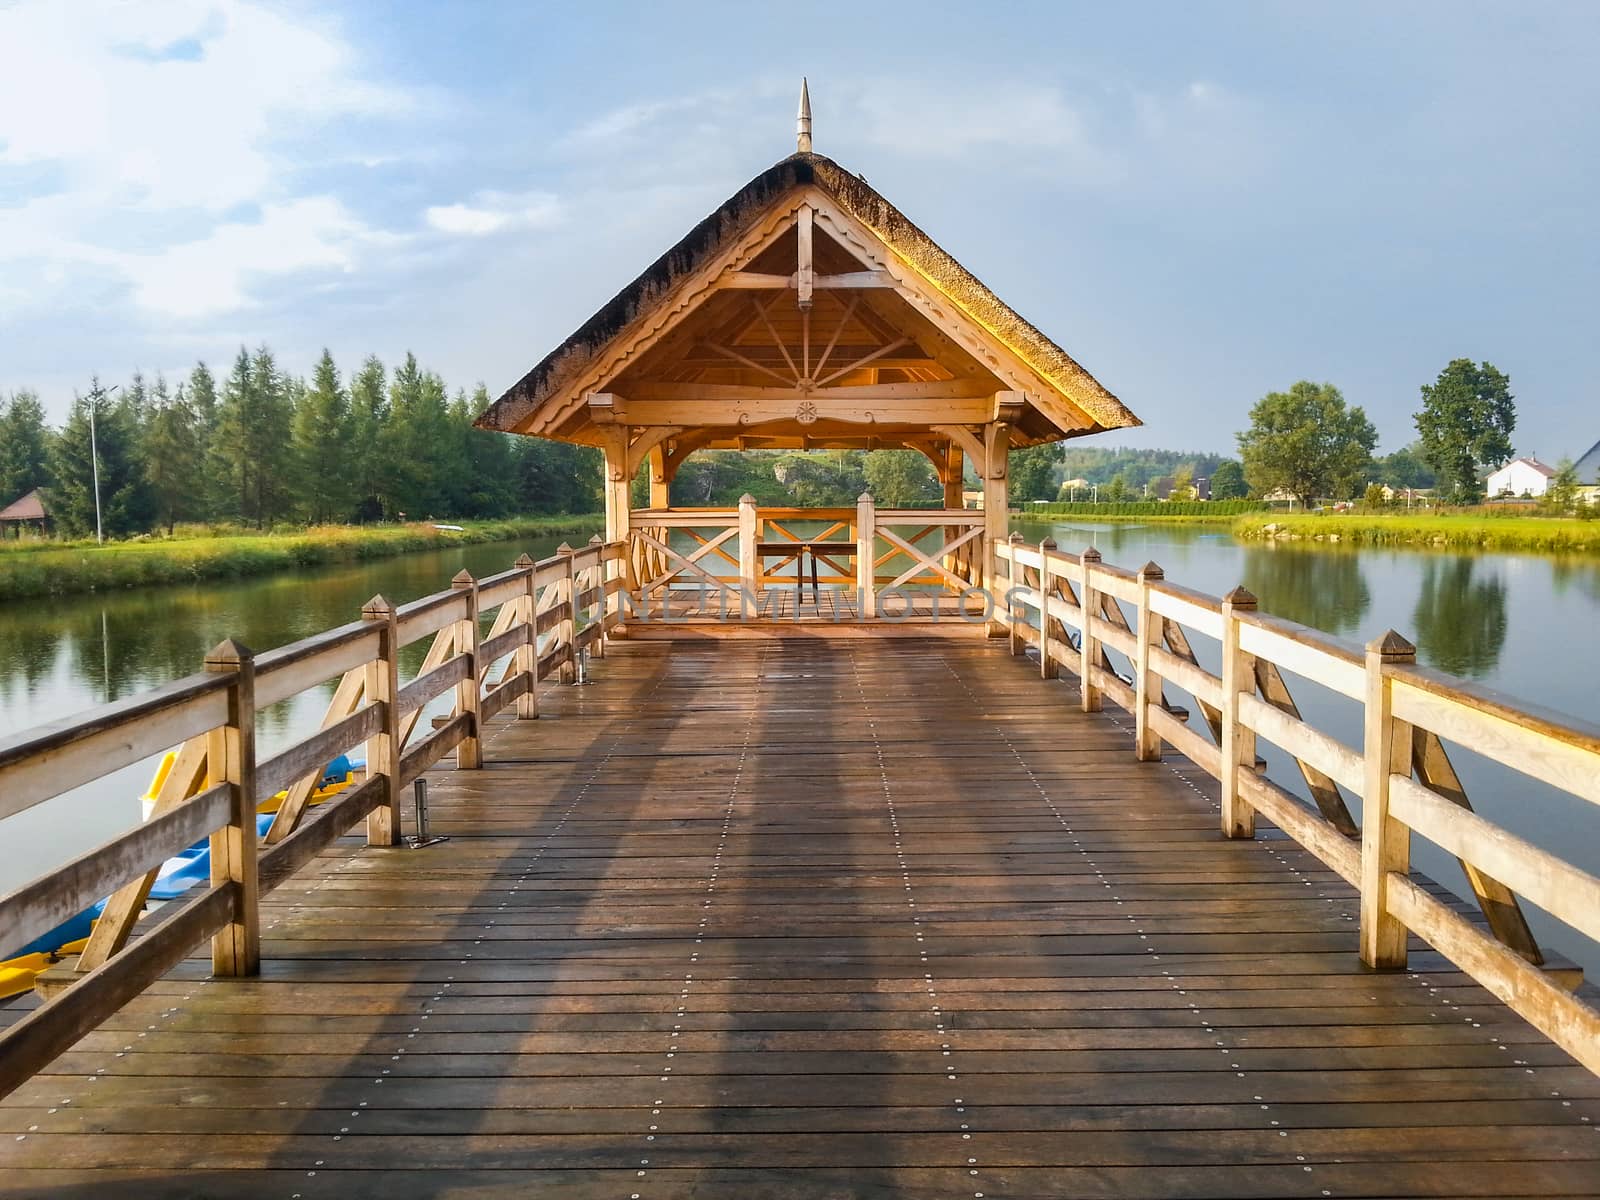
x=44 y=568
x=1519 y=531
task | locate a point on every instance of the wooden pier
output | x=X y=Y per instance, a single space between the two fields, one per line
x=808 y=915
x=1015 y=910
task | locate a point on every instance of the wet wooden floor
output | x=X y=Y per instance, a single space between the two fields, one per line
x=812 y=918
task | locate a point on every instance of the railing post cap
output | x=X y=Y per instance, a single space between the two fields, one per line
x=1240 y=597
x=747 y=498
x=523 y=560
x=595 y=540
x=564 y=548
x=1391 y=647
x=1090 y=554
x=462 y=579
x=1015 y=539
x=1151 y=571
x=378 y=606
x=228 y=653
x=1047 y=544
x=864 y=498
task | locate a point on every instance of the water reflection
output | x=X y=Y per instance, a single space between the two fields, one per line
x=1460 y=616
x=1323 y=588
x=63 y=655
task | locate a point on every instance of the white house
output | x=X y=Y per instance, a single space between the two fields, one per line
x=1520 y=477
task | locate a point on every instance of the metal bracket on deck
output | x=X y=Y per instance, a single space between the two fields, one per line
x=422 y=839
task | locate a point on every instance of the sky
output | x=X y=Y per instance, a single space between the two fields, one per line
x=1200 y=203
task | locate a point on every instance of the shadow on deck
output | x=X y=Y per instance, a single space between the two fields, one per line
x=813 y=917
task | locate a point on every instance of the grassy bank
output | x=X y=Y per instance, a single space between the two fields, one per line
x=31 y=569
x=1185 y=511
x=1560 y=535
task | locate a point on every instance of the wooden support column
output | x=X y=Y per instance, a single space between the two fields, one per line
x=231 y=759
x=1088 y=644
x=749 y=560
x=660 y=479
x=526 y=657
x=1238 y=740
x=996 y=514
x=469 y=751
x=599 y=574
x=866 y=552
x=1048 y=667
x=950 y=473
x=383 y=748
x=567 y=627
x=614 y=473
x=1016 y=611
x=1385 y=842
x=1147 y=685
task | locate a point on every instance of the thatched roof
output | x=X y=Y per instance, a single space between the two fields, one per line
x=551 y=379
x=29 y=507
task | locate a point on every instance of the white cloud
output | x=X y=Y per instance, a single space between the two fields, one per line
x=496 y=212
x=155 y=124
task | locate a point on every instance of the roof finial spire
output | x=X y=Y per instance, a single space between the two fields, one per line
x=802 y=125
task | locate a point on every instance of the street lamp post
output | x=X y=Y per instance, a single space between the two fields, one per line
x=94 y=454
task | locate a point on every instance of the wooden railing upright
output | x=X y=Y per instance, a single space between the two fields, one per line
x=547 y=613
x=1401 y=772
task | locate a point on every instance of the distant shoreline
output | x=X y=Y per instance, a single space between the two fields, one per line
x=1451 y=531
x=41 y=569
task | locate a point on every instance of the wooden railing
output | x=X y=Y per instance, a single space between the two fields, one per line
x=1077 y=611
x=735 y=554
x=545 y=614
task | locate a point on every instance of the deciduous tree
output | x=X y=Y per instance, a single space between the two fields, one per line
x=900 y=479
x=1227 y=481
x=1467 y=417
x=1307 y=442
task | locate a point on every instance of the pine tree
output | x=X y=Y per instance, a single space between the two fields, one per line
x=490 y=469
x=422 y=457
x=124 y=500
x=173 y=466
x=321 y=442
x=369 y=418
x=202 y=396
x=24 y=446
x=250 y=451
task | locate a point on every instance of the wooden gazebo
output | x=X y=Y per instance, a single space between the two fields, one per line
x=806 y=312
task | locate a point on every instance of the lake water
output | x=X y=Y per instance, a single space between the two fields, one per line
x=1523 y=624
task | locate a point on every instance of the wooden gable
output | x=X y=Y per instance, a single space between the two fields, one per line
x=806 y=312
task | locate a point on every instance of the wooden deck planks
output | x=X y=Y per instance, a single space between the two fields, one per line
x=813 y=917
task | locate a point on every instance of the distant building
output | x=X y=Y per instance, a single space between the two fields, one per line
x=24 y=511
x=1521 y=477
x=1162 y=487
x=1588 y=469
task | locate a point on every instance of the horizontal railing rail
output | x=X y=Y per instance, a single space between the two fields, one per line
x=1077 y=611
x=734 y=555
x=546 y=615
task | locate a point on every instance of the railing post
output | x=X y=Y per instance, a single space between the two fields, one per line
x=866 y=552
x=526 y=656
x=383 y=748
x=231 y=759
x=749 y=560
x=1147 y=685
x=567 y=629
x=1385 y=842
x=1016 y=619
x=469 y=751
x=1238 y=740
x=1088 y=644
x=1048 y=667
x=598 y=572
